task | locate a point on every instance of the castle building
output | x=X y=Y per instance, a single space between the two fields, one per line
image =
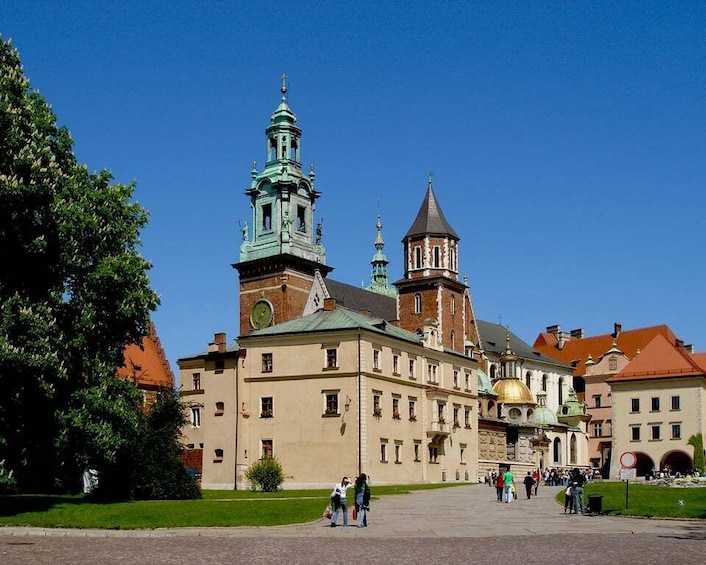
x=333 y=379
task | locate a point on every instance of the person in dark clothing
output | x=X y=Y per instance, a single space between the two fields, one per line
x=362 y=499
x=529 y=484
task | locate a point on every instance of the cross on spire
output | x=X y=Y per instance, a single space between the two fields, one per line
x=283 y=89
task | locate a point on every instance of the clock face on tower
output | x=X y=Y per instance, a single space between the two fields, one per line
x=261 y=314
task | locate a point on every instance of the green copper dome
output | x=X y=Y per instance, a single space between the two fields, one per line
x=484 y=385
x=543 y=415
x=573 y=410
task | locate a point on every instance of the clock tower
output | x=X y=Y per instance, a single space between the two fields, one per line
x=281 y=248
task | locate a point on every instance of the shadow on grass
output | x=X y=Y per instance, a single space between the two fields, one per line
x=19 y=504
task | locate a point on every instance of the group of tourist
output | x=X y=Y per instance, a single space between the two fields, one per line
x=557 y=477
x=505 y=487
x=339 y=502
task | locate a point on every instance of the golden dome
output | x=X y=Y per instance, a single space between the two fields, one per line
x=513 y=391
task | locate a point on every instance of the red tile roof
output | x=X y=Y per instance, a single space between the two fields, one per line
x=577 y=350
x=658 y=360
x=147 y=366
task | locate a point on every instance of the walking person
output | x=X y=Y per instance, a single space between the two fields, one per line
x=529 y=484
x=499 y=486
x=509 y=480
x=578 y=494
x=362 y=499
x=338 y=499
x=536 y=478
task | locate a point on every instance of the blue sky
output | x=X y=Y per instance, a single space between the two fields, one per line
x=567 y=142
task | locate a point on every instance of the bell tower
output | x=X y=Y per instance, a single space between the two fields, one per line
x=281 y=247
x=430 y=293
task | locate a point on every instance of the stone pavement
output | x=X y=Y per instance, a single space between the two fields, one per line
x=464 y=524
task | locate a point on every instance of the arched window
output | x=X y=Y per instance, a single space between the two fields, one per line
x=492 y=372
x=528 y=380
x=561 y=391
x=544 y=382
x=417 y=303
x=417 y=257
x=453 y=340
x=437 y=257
x=572 y=450
x=452 y=259
x=557 y=451
x=453 y=303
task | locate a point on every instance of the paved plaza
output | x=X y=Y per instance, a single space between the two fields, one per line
x=455 y=525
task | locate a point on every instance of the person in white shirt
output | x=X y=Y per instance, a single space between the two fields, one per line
x=338 y=500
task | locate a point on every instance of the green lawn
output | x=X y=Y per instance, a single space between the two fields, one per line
x=217 y=508
x=648 y=500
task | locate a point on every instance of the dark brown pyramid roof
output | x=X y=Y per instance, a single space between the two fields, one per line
x=430 y=219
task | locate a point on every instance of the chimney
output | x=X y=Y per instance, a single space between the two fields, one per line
x=578 y=333
x=554 y=330
x=329 y=304
x=218 y=345
x=679 y=343
x=366 y=312
x=617 y=328
x=562 y=338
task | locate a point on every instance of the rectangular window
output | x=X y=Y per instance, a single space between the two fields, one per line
x=437 y=257
x=266 y=448
x=635 y=431
x=596 y=400
x=634 y=405
x=431 y=373
x=655 y=431
x=456 y=379
x=395 y=364
x=267 y=217
x=440 y=412
x=196 y=381
x=462 y=453
x=467 y=379
x=220 y=366
x=301 y=218
x=376 y=359
x=433 y=454
x=267 y=362
x=266 y=407
x=411 y=369
x=383 y=451
x=218 y=456
x=331 y=408
x=416 y=450
x=220 y=409
x=467 y=417
x=331 y=358
x=412 y=409
x=676 y=431
x=597 y=429
x=655 y=404
x=398 y=452
x=457 y=423
x=196 y=417
x=396 y=408
x=675 y=403
x=377 y=409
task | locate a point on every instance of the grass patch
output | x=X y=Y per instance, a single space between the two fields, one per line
x=217 y=508
x=647 y=500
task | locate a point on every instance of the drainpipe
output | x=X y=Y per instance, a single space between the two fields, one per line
x=360 y=419
x=237 y=421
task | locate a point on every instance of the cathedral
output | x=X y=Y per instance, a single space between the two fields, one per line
x=398 y=380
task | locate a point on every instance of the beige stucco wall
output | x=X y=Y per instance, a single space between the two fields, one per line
x=317 y=449
x=691 y=392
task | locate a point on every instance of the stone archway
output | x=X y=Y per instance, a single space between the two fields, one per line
x=677 y=462
x=645 y=466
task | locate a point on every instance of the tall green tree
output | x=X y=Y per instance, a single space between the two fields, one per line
x=74 y=292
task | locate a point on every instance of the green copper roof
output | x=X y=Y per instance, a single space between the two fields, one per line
x=338 y=319
x=379 y=281
x=484 y=385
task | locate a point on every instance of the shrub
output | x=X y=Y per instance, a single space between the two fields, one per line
x=265 y=475
x=8 y=485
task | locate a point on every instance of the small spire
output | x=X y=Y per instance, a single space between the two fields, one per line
x=431 y=176
x=283 y=89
